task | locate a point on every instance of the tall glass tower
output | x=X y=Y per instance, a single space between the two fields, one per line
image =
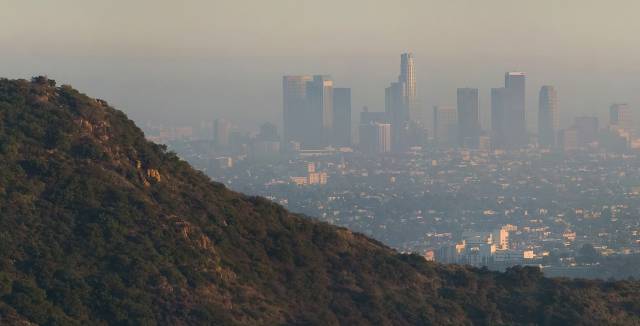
x=514 y=114
x=468 y=117
x=320 y=110
x=408 y=78
x=548 y=121
x=294 y=103
x=401 y=104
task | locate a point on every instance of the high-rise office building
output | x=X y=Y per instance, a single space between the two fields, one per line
x=383 y=131
x=620 y=116
x=320 y=106
x=396 y=102
x=375 y=137
x=498 y=132
x=398 y=111
x=408 y=78
x=548 y=120
x=268 y=131
x=367 y=117
x=468 y=117
x=508 y=125
x=445 y=122
x=401 y=104
x=568 y=139
x=309 y=115
x=586 y=130
x=221 y=131
x=514 y=114
x=342 y=117
x=294 y=102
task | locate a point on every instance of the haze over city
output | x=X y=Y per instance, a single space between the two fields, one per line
x=195 y=61
x=334 y=162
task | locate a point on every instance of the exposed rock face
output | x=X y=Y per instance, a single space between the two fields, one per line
x=154 y=174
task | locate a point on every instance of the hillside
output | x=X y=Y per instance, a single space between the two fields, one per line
x=99 y=226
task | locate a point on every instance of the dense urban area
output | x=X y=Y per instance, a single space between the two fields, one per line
x=563 y=199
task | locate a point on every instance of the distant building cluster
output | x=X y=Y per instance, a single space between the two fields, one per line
x=484 y=249
x=317 y=117
x=452 y=198
x=312 y=177
x=495 y=197
x=315 y=114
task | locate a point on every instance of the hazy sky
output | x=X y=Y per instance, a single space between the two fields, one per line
x=188 y=61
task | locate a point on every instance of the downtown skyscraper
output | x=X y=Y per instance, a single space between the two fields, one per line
x=468 y=117
x=320 y=112
x=294 y=103
x=375 y=137
x=342 y=117
x=408 y=78
x=621 y=130
x=401 y=104
x=315 y=114
x=498 y=121
x=445 y=126
x=620 y=116
x=508 y=124
x=516 y=128
x=548 y=120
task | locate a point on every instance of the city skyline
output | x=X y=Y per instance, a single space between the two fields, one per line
x=508 y=108
x=316 y=114
x=301 y=162
x=176 y=70
x=319 y=125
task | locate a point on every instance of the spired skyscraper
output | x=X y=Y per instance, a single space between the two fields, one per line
x=401 y=104
x=408 y=78
x=508 y=124
x=548 y=120
x=468 y=118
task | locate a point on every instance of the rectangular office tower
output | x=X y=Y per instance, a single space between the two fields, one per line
x=468 y=118
x=221 y=132
x=445 y=126
x=498 y=133
x=508 y=125
x=294 y=102
x=342 y=117
x=515 y=127
x=586 y=130
x=320 y=110
x=548 y=121
x=620 y=116
x=375 y=137
x=398 y=111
